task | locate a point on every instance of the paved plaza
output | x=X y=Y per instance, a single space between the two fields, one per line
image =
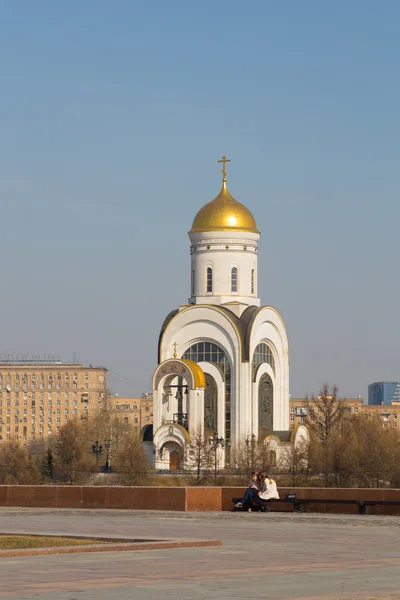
x=264 y=556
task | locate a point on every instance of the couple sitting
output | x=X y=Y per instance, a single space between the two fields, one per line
x=261 y=488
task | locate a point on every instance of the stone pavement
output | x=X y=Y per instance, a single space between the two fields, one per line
x=264 y=556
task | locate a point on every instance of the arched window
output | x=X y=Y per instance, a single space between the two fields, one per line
x=252 y=281
x=209 y=352
x=192 y=282
x=272 y=458
x=209 y=280
x=262 y=354
x=234 y=279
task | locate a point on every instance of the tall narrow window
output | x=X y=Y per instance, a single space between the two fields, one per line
x=234 y=280
x=252 y=281
x=192 y=282
x=209 y=279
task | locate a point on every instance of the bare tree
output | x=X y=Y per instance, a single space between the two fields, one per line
x=131 y=463
x=16 y=466
x=324 y=414
x=200 y=456
x=71 y=451
x=295 y=461
x=378 y=452
x=251 y=454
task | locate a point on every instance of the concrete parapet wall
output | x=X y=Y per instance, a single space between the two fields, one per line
x=180 y=498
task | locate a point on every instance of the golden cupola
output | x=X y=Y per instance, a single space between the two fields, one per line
x=224 y=213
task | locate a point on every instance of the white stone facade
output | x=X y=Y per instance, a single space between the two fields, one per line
x=221 y=252
x=240 y=349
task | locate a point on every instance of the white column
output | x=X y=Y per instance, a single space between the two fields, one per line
x=196 y=411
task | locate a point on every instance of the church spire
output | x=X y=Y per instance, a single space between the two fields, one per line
x=224 y=160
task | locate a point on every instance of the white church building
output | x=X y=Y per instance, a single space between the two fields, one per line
x=223 y=358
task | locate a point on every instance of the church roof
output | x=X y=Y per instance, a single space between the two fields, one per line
x=198 y=375
x=224 y=213
x=243 y=324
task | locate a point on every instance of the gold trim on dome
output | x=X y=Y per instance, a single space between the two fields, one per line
x=224 y=213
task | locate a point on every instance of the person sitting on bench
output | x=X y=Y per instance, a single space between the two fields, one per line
x=269 y=491
x=256 y=484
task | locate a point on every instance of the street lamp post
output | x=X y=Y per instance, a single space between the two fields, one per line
x=107 y=444
x=97 y=449
x=216 y=443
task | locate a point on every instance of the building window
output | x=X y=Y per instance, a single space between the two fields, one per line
x=192 y=282
x=252 y=281
x=208 y=352
x=209 y=280
x=262 y=354
x=234 y=279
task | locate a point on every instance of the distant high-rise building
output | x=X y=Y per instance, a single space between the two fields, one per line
x=384 y=392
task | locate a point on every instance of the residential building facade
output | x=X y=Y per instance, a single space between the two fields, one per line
x=137 y=412
x=388 y=414
x=38 y=397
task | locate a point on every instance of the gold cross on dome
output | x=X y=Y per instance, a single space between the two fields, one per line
x=224 y=160
x=175 y=355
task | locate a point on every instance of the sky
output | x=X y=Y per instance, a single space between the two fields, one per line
x=112 y=118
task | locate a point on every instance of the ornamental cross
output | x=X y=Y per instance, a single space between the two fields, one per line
x=175 y=355
x=224 y=160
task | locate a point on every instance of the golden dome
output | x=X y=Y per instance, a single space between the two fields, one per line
x=224 y=213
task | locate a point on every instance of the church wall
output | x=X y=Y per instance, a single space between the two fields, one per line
x=222 y=252
x=207 y=323
x=243 y=422
x=269 y=327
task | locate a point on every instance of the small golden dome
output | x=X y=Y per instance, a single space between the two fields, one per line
x=224 y=213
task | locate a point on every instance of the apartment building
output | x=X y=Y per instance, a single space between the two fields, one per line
x=136 y=411
x=388 y=414
x=38 y=397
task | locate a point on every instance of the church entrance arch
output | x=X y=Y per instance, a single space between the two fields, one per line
x=265 y=405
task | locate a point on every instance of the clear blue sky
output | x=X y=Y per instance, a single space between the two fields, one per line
x=112 y=118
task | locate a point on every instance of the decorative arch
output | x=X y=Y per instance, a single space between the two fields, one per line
x=181 y=367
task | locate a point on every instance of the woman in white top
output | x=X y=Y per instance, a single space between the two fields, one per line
x=268 y=492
